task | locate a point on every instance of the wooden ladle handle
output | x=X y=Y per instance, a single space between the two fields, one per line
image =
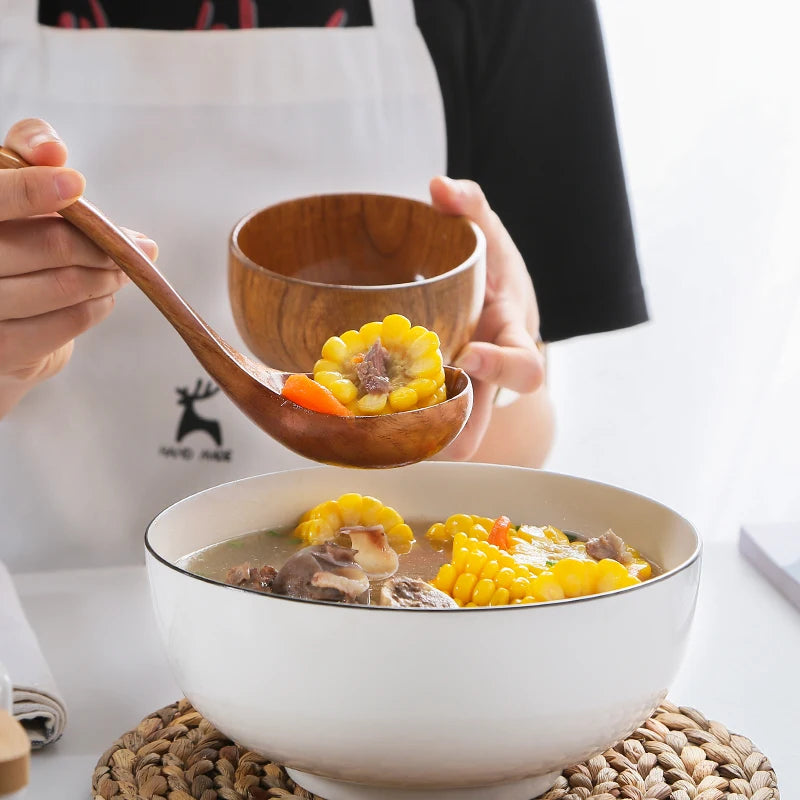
x=210 y=349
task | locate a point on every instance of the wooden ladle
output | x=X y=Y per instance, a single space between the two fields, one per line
x=390 y=440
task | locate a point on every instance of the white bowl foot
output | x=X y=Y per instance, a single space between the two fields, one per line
x=339 y=790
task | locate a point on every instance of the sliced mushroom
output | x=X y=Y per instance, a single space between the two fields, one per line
x=258 y=578
x=374 y=555
x=413 y=593
x=323 y=572
x=609 y=545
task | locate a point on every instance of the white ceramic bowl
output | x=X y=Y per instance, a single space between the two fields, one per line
x=391 y=703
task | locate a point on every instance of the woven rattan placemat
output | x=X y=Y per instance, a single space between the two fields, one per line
x=676 y=755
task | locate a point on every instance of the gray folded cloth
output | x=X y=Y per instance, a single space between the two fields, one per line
x=37 y=703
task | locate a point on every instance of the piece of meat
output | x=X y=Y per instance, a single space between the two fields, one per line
x=258 y=578
x=609 y=545
x=373 y=553
x=372 y=373
x=404 y=592
x=323 y=572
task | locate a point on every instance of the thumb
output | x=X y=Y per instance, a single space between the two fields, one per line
x=466 y=198
x=37 y=142
x=519 y=368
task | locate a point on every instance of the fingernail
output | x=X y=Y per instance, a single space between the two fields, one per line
x=42 y=138
x=452 y=185
x=147 y=246
x=470 y=362
x=69 y=184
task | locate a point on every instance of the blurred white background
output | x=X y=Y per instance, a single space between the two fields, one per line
x=699 y=408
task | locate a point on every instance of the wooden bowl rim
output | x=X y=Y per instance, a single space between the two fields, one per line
x=473 y=258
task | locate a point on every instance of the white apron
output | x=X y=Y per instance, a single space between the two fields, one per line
x=180 y=134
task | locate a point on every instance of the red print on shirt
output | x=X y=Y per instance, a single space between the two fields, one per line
x=99 y=19
x=247 y=17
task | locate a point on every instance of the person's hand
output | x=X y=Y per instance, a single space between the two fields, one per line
x=54 y=283
x=504 y=350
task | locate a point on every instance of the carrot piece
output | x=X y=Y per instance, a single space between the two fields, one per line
x=300 y=389
x=499 y=533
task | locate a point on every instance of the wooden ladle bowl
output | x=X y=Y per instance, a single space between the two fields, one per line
x=308 y=269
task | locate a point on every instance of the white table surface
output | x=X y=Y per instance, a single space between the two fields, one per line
x=98 y=633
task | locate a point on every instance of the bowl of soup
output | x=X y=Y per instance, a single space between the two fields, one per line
x=306 y=269
x=442 y=675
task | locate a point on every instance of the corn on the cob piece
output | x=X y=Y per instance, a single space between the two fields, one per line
x=482 y=574
x=408 y=372
x=321 y=523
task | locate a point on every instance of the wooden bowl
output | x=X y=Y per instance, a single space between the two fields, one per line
x=311 y=268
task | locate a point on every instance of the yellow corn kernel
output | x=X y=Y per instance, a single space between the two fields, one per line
x=577 y=578
x=437 y=532
x=371 y=404
x=424 y=387
x=459 y=540
x=393 y=330
x=640 y=569
x=484 y=546
x=519 y=588
x=323 y=365
x=546 y=587
x=343 y=390
x=327 y=379
x=388 y=517
x=458 y=523
x=505 y=577
x=484 y=522
x=401 y=548
x=328 y=512
x=478 y=532
x=311 y=531
x=460 y=557
x=445 y=578
x=490 y=570
x=470 y=605
x=528 y=599
x=371 y=508
x=500 y=597
x=508 y=561
x=463 y=587
x=335 y=350
x=354 y=342
x=610 y=575
x=415 y=332
x=370 y=333
x=423 y=346
x=403 y=399
x=350 y=506
x=483 y=592
x=475 y=562
x=400 y=533
x=426 y=367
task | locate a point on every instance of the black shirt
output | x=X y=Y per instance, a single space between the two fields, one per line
x=529 y=116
